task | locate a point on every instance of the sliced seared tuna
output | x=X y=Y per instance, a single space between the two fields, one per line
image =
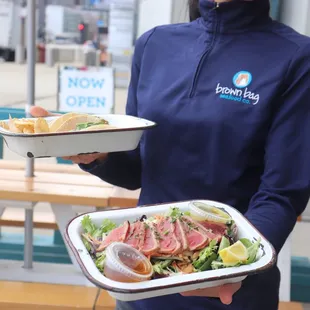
x=118 y=234
x=201 y=229
x=151 y=244
x=196 y=238
x=136 y=234
x=216 y=228
x=165 y=234
x=180 y=234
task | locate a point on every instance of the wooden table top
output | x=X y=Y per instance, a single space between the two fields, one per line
x=62 y=184
x=29 y=296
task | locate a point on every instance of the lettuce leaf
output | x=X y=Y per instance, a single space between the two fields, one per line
x=95 y=231
x=219 y=265
x=100 y=260
x=162 y=267
x=253 y=251
x=205 y=254
x=88 y=226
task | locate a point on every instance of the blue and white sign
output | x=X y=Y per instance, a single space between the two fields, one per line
x=87 y=91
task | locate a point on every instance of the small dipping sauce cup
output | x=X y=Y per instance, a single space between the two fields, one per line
x=123 y=263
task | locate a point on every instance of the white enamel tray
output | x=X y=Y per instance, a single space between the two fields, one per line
x=175 y=284
x=125 y=138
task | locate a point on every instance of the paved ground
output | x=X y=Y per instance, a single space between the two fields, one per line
x=13 y=93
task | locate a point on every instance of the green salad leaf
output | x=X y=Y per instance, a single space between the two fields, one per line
x=94 y=231
x=174 y=213
x=246 y=242
x=107 y=226
x=162 y=267
x=224 y=243
x=206 y=257
x=86 y=244
x=81 y=126
x=88 y=226
x=100 y=259
x=219 y=264
x=253 y=251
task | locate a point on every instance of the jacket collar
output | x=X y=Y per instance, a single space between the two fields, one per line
x=234 y=16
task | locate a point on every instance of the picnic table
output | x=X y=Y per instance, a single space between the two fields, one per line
x=66 y=188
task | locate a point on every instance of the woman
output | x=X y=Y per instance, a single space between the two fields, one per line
x=230 y=93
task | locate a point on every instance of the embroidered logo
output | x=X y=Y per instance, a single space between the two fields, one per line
x=242 y=79
x=241 y=92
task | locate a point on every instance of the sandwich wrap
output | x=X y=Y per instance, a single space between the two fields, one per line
x=59 y=121
x=81 y=122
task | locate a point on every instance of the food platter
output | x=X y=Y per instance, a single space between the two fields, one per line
x=217 y=273
x=73 y=134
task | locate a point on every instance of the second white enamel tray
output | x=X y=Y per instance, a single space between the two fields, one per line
x=175 y=284
x=125 y=138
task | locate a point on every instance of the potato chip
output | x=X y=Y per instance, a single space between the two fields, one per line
x=12 y=126
x=4 y=125
x=41 y=126
x=28 y=129
x=23 y=122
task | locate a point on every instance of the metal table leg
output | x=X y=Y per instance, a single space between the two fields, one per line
x=63 y=215
x=2 y=209
x=28 y=247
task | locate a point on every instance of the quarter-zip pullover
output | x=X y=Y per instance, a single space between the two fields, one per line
x=230 y=94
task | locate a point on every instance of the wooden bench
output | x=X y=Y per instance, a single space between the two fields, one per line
x=30 y=296
x=290 y=306
x=104 y=301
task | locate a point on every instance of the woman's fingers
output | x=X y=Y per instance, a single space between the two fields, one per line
x=226 y=292
x=85 y=158
x=37 y=111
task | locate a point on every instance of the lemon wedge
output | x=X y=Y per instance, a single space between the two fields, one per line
x=234 y=254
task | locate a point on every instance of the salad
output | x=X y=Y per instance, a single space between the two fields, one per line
x=175 y=243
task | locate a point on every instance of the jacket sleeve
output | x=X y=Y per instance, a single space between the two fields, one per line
x=285 y=184
x=123 y=169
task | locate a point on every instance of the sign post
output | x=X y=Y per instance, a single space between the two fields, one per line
x=86 y=90
x=31 y=61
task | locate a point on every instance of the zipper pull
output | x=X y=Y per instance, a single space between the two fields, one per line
x=217 y=5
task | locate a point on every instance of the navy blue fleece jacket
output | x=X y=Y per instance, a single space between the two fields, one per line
x=231 y=95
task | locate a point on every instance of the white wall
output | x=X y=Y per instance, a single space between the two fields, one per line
x=153 y=13
x=296 y=16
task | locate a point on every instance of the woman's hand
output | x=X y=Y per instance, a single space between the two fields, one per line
x=87 y=158
x=224 y=293
x=36 y=111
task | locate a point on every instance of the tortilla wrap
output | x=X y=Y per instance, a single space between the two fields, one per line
x=59 y=121
x=71 y=123
x=99 y=127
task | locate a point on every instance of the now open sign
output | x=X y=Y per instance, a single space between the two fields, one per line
x=90 y=90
